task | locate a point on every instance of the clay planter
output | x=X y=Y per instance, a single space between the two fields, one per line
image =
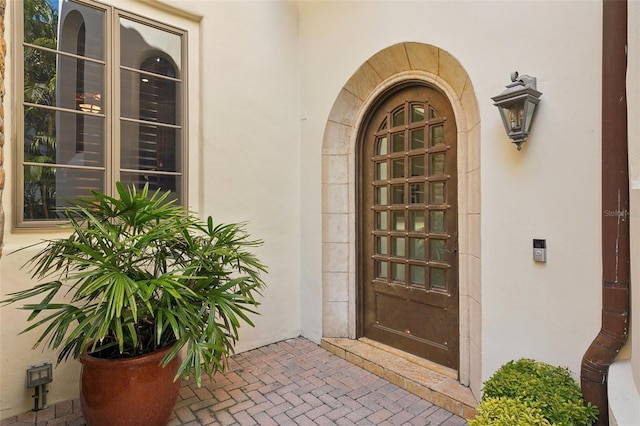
x=130 y=391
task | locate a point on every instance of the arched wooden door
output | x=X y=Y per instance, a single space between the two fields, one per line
x=408 y=229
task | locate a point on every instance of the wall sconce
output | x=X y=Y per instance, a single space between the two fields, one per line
x=517 y=105
x=37 y=377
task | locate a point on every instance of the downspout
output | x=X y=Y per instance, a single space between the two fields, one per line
x=615 y=211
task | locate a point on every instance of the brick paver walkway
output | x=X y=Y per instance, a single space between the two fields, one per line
x=293 y=382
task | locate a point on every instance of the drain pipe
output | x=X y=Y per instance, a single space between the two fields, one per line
x=615 y=211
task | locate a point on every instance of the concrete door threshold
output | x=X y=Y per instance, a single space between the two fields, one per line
x=429 y=381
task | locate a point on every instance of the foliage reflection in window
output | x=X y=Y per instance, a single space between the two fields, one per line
x=75 y=138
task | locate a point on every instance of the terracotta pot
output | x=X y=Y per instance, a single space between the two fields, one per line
x=132 y=391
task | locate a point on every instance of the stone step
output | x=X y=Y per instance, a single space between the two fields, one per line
x=429 y=381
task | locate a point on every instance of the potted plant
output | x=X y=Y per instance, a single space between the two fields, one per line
x=141 y=277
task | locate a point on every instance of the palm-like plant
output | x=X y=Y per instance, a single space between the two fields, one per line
x=140 y=274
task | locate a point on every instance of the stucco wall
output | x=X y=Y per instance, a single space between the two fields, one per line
x=548 y=190
x=265 y=77
x=243 y=166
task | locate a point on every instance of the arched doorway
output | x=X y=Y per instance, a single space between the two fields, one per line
x=389 y=68
x=407 y=224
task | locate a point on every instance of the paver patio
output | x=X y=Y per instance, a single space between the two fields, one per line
x=293 y=382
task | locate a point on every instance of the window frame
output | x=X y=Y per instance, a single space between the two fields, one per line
x=110 y=103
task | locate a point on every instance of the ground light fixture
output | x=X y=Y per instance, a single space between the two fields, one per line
x=37 y=377
x=517 y=105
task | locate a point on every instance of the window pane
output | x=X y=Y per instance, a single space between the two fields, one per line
x=417 y=274
x=397 y=142
x=150 y=98
x=63 y=138
x=417 y=165
x=417 y=113
x=397 y=221
x=416 y=220
x=82 y=27
x=381 y=221
x=149 y=147
x=81 y=89
x=417 y=139
x=397 y=167
x=161 y=182
x=41 y=23
x=47 y=189
x=144 y=41
x=398 y=118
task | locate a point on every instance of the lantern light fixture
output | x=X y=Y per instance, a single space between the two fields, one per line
x=517 y=105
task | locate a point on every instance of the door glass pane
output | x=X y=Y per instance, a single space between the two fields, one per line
x=436 y=221
x=416 y=248
x=397 y=247
x=381 y=171
x=436 y=250
x=397 y=221
x=397 y=272
x=382 y=270
x=382 y=245
x=436 y=193
x=144 y=41
x=437 y=164
x=381 y=148
x=381 y=221
x=417 y=274
x=417 y=113
x=416 y=220
x=433 y=113
x=417 y=165
x=398 y=118
x=397 y=142
x=417 y=138
x=437 y=135
x=417 y=193
x=397 y=167
x=397 y=194
x=437 y=278
x=381 y=196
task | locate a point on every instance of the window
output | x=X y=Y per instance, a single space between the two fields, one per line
x=103 y=101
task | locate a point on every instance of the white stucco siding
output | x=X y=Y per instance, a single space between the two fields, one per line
x=243 y=167
x=250 y=144
x=550 y=190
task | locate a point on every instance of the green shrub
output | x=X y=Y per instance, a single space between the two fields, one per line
x=504 y=411
x=538 y=385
